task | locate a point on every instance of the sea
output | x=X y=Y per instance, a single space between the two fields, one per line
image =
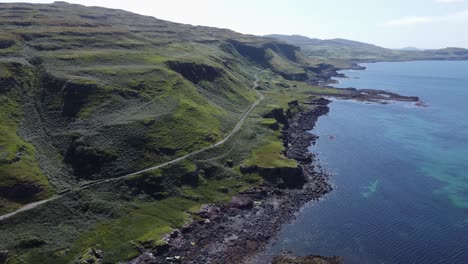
x=399 y=171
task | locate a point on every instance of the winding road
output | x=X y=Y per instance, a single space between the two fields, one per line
x=94 y=183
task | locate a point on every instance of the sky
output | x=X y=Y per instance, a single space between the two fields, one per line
x=387 y=23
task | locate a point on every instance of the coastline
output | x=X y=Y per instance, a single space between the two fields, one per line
x=389 y=131
x=325 y=81
x=237 y=231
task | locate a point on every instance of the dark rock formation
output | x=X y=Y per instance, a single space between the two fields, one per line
x=86 y=160
x=6 y=84
x=279 y=115
x=6 y=43
x=296 y=138
x=30 y=243
x=75 y=95
x=282 y=177
x=195 y=72
x=4 y=256
x=287 y=259
x=242 y=202
x=21 y=192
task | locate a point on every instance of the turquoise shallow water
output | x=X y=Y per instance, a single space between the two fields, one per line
x=400 y=172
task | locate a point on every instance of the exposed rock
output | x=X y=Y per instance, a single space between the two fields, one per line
x=4 y=256
x=287 y=259
x=146 y=257
x=92 y=256
x=208 y=211
x=250 y=52
x=85 y=159
x=195 y=72
x=30 y=243
x=6 y=84
x=6 y=43
x=278 y=114
x=374 y=95
x=21 y=192
x=282 y=177
x=242 y=202
x=75 y=95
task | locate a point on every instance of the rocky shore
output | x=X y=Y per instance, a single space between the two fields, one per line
x=324 y=79
x=371 y=95
x=286 y=259
x=234 y=232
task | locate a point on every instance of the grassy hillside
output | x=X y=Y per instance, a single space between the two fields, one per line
x=90 y=93
x=107 y=92
x=342 y=50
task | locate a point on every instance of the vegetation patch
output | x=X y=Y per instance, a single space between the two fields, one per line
x=270 y=154
x=21 y=179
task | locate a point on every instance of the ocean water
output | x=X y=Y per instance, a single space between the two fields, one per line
x=400 y=172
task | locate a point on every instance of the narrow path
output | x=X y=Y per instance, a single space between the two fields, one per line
x=94 y=183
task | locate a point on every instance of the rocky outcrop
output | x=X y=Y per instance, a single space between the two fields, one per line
x=288 y=259
x=195 y=72
x=242 y=202
x=297 y=138
x=4 y=256
x=250 y=52
x=281 y=177
x=278 y=114
x=288 y=51
x=86 y=160
x=6 y=43
x=261 y=55
x=75 y=95
x=92 y=256
x=30 y=243
x=150 y=185
x=6 y=84
x=21 y=192
x=373 y=95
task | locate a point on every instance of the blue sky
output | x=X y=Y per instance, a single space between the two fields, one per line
x=388 y=23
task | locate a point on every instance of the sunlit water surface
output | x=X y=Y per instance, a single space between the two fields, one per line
x=400 y=172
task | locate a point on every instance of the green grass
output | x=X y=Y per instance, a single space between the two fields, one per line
x=280 y=64
x=18 y=164
x=270 y=154
x=147 y=223
x=141 y=219
x=268 y=121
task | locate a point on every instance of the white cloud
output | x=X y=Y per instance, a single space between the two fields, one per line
x=450 y=1
x=457 y=17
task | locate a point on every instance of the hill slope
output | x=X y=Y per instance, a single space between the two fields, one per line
x=116 y=92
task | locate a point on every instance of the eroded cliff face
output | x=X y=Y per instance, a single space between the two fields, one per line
x=275 y=56
x=195 y=72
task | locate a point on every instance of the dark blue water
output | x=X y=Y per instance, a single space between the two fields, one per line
x=401 y=172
